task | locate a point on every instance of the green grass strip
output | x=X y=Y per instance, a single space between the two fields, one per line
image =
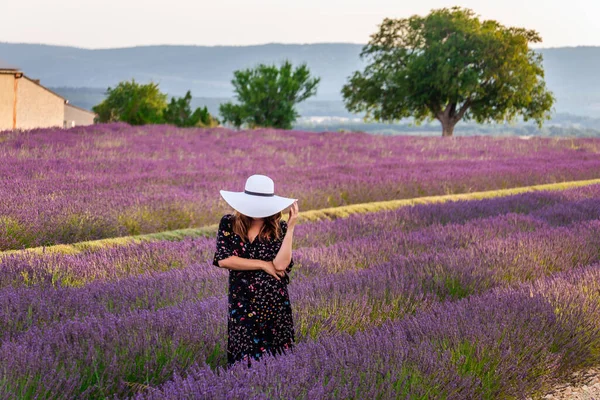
x=304 y=216
x=345 y=211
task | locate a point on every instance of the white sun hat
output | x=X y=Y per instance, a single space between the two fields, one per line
x=258 y=200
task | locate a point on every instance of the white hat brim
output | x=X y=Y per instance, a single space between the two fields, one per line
x=256 y=206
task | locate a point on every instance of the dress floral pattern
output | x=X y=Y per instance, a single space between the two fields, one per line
x=259 y=311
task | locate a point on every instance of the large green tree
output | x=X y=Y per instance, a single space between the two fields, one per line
x=450 y=65
x=267 y=95
x=132 y=102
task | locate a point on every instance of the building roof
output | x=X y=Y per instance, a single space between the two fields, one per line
x=37 y=82
x=67 y=104
x=4 y=66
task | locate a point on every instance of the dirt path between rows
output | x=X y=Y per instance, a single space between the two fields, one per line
x=583 y=385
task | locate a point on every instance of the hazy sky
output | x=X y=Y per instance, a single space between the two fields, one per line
x=123 y=23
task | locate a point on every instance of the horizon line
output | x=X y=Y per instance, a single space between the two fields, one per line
x=237 y=45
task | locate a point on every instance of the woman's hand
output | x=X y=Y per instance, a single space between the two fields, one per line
x=293 y=215
x=270 y=269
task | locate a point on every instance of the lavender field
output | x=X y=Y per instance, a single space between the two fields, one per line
x=489 y=299
x=114 y=180
x=494 y=298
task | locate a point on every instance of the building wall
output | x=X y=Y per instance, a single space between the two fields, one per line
x=75 y=116
x=37 y=107
x=7 y=100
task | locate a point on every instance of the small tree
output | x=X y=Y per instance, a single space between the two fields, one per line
x=179 y=112
x=267 y=96
x=449 y=66
x=131 y=102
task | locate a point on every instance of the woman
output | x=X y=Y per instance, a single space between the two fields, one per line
x=256 y=246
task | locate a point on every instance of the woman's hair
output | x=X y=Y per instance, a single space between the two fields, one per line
x=270 y=229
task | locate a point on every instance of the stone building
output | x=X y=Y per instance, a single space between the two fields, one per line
x=26 y=104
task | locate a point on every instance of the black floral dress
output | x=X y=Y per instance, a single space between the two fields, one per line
x=260 y=313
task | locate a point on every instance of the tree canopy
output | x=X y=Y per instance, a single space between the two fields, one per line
x=140 y=104
x=132 y=102
x=179 y=112
x=450 y=65
x=267 y=95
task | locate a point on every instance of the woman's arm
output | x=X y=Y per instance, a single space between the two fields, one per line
x=284 y=255
x=241 y=264
x=236 y=263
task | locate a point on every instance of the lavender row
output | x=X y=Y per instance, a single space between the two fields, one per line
x=22 y=309
x=115 y=180
x=554 y=207
x=107 y=264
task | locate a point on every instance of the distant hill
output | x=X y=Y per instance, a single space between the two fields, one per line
x=572 y=73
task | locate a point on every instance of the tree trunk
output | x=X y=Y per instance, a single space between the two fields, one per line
x=447 y=126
